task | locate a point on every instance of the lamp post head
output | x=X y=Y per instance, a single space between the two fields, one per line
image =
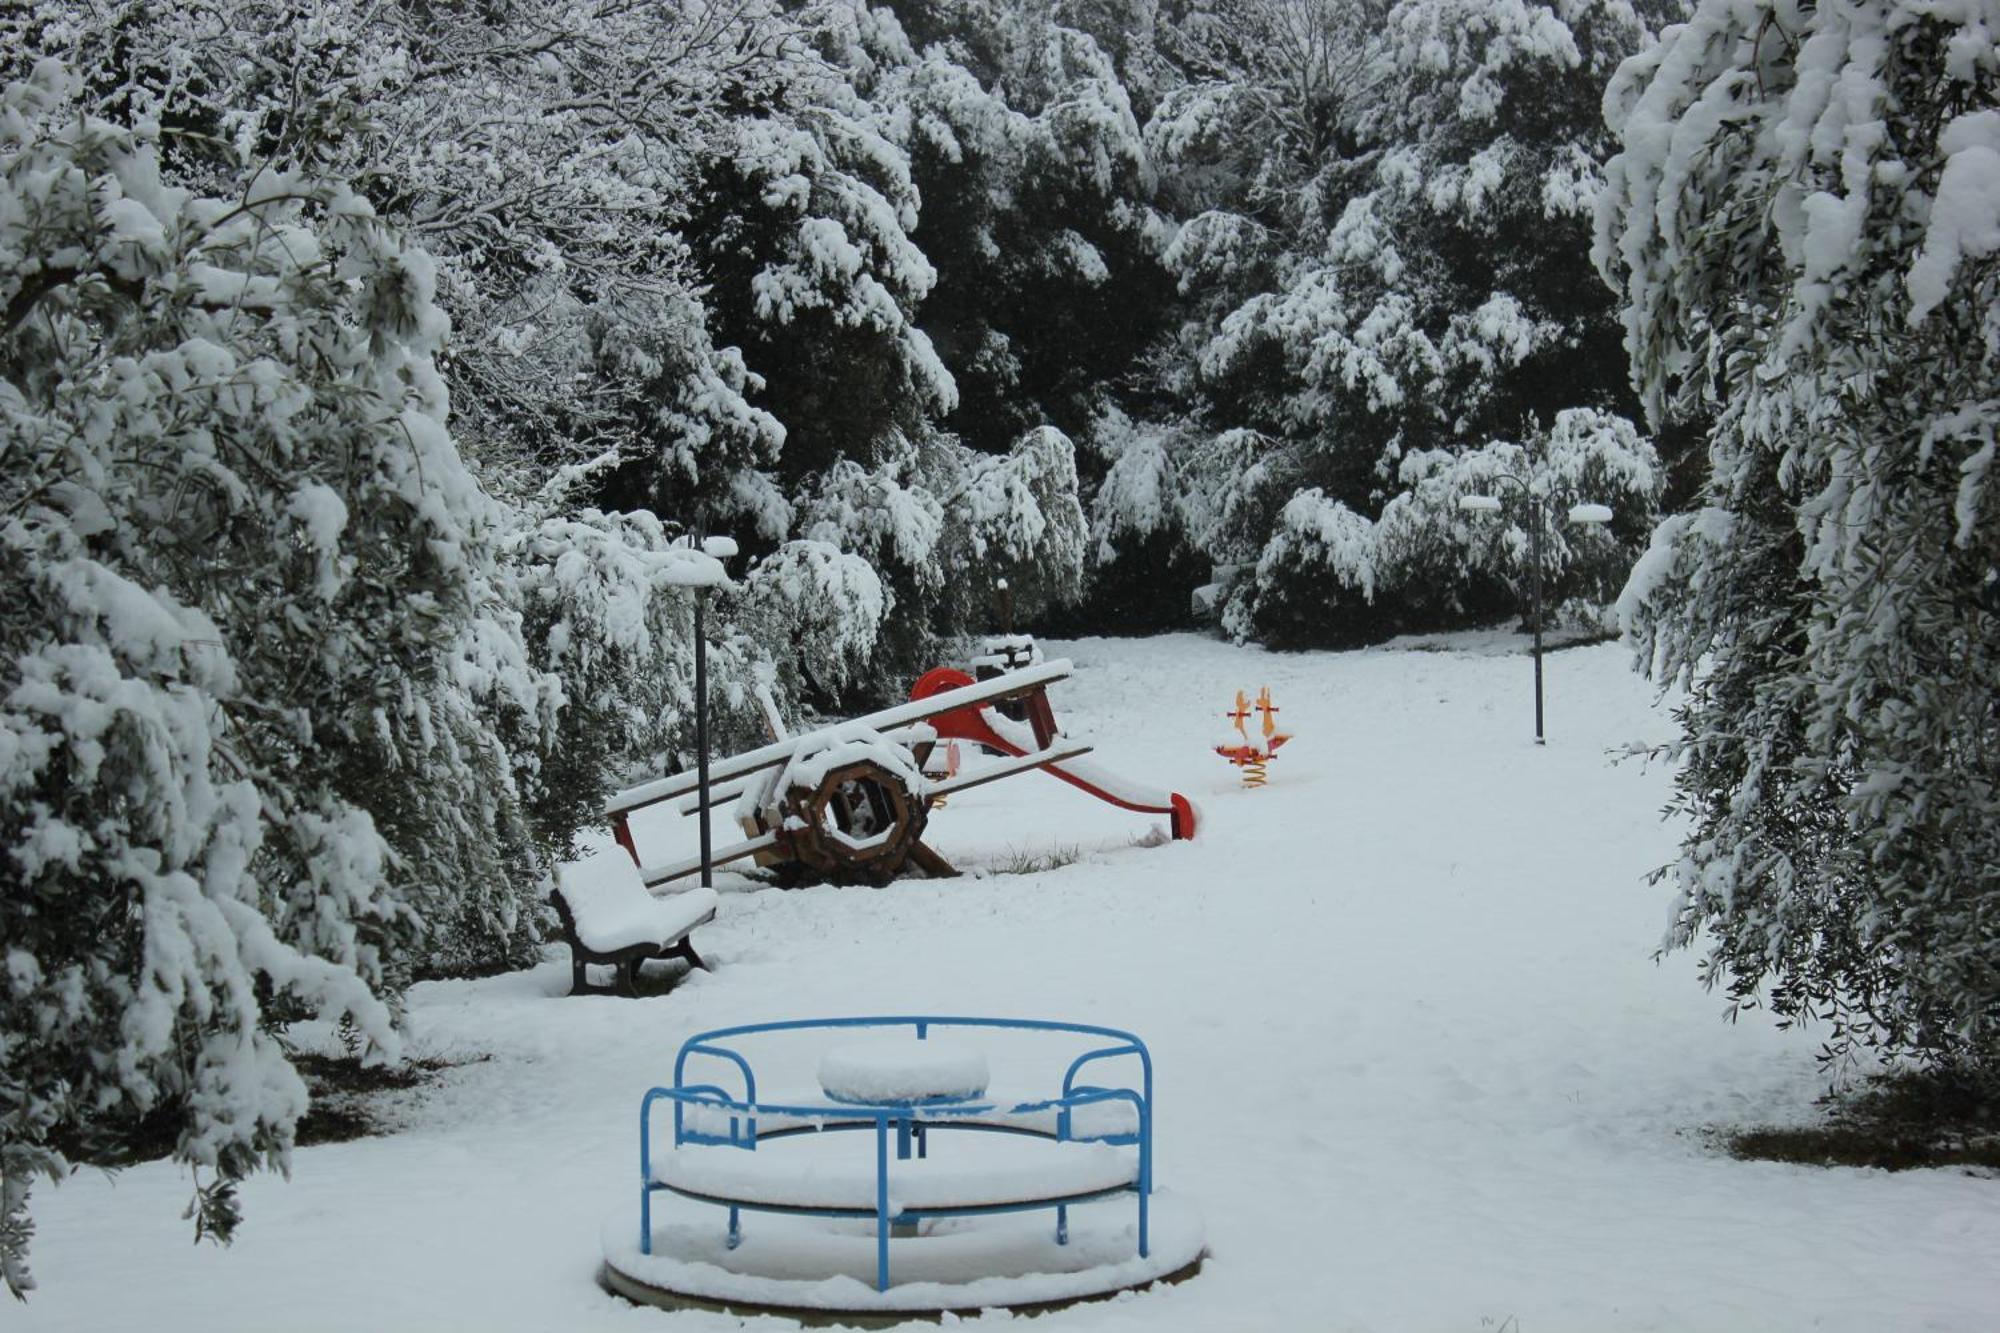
x=1479 y=504
x=1591 y=514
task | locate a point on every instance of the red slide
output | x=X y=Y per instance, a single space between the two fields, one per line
x=983 y=726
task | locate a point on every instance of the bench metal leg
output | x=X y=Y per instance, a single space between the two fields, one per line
x=1062 y=1224
x=735 y=1228
x=685 y=949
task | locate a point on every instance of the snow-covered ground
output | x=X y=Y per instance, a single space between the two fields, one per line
x=1417 y=1063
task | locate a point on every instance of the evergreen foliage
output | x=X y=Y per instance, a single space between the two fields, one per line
x=253 y=632
x=1803 y=226
x=1383 y=256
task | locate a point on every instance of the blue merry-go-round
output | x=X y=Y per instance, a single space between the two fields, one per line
x=900 y=1163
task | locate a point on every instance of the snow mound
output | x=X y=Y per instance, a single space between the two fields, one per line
x=899 y=1070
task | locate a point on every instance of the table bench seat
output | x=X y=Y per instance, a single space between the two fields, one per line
x=1115 y=1120
x=966 y=1172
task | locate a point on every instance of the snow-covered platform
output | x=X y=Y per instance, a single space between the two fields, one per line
x=798 y=1266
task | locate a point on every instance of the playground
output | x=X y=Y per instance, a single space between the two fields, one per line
x=1416 y=1066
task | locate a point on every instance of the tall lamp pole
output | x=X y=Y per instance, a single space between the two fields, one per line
x=718 y=549
x=1582 y=513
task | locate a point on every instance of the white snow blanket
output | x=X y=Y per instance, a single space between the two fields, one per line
x=966 y=1168
x=1430 y=1081
x=614 y=911
x=902 y=1070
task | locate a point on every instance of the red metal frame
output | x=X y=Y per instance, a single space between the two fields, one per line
x=967 y=724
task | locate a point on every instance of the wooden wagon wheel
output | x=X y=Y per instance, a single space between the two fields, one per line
x=860 y=823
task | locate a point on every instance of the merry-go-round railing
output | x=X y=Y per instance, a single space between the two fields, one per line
x=709 y=1115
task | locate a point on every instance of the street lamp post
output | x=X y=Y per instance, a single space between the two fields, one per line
x=701 y=570
x=1582 y=513
x=701 y=733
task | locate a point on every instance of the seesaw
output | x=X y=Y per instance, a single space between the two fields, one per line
x=850 y=801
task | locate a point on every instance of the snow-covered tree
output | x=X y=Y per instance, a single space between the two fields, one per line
x=1141 y=553
x=1805 y=227
x=804 y=238
x=1015 y=516
x=255 y=661
x=1384 y=255
x=826 y=605
x=543 y=151
x=1423 y=562
x=602 y=617
x=1450 y=294
x=944 y=523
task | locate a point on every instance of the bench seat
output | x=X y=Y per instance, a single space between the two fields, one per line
x=1096 y=1120
x=973 y=1172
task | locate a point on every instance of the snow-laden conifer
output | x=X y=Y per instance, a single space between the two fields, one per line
x=1802 y=224
x=254 y=647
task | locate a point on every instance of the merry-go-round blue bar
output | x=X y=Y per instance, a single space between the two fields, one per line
x=837 y=1115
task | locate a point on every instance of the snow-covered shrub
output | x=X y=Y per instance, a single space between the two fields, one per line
x=816 y=613
x=898 y=527
x=1141 y=565
x=602 y=618
x=1016 y=516
x=1331 y=576
x=1316 y=579
x=942 y=524
x=254 y=662
x=1139 y=498
x=1441 y=556
x=1803 y=227
x=1234 y=484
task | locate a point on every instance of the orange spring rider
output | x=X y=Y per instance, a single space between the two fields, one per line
x=1250 y=757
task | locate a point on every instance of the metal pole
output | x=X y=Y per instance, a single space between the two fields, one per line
x=1535 y=582
x=701 y=732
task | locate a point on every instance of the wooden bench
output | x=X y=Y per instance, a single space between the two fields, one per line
x=609 y=918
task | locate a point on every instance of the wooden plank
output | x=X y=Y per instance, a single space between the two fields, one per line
x=660 y=874
x=978 y=694
x=979 y=777
x=722 y=793
x=719 y=794
x=927 y=860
